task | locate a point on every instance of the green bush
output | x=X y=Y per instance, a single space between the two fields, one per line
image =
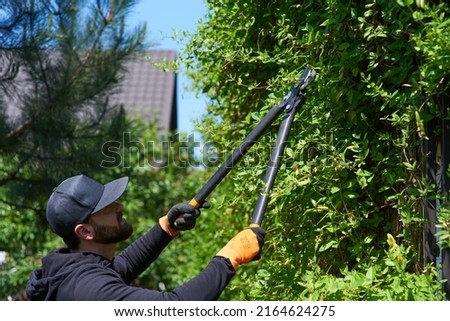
x=345 y=219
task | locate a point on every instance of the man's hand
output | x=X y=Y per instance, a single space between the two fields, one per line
x=181 y=217
x=244 y=247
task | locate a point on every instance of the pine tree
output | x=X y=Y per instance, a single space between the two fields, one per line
x=60 y=61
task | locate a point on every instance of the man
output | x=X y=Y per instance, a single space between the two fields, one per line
x=88 y=217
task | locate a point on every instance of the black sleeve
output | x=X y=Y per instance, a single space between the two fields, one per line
x=105 y=285
x=206 y=286
x=137 y=257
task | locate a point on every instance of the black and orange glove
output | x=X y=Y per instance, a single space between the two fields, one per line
x=181 y=217
x=244 y=247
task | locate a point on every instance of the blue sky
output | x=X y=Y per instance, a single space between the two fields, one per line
x=163 y=17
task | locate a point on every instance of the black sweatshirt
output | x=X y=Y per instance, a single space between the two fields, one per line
x=70 y=276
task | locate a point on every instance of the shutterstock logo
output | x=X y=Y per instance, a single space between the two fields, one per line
x=188 y=151
x=180 y=150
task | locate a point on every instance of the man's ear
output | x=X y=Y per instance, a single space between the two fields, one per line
x=84 y=231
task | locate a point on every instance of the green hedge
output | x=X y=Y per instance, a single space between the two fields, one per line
x=345 y=220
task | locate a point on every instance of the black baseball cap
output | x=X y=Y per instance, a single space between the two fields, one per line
x=78 y=197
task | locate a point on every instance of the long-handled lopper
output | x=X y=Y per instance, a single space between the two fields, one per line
x=290 y=104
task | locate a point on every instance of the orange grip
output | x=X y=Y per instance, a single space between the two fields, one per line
x=194 y=203
x=254 y=225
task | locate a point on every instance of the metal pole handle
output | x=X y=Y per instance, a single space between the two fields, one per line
x=292 y=98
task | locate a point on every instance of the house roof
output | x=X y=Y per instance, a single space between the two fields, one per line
x=148 y=91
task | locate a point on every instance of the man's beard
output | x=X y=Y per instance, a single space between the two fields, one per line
x=108 y=234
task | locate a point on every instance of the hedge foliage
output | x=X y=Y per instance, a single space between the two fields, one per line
x=345 y=220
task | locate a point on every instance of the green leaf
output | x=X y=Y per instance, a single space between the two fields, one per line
x=405 y=3
x=328 y=245
x=334 y=189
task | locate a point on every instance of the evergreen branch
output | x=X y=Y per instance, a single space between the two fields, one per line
x=18 y=131
x=90 y=52
x=13 y=173
x=20 y=206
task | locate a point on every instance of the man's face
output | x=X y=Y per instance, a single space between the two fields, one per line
x=109 y=225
